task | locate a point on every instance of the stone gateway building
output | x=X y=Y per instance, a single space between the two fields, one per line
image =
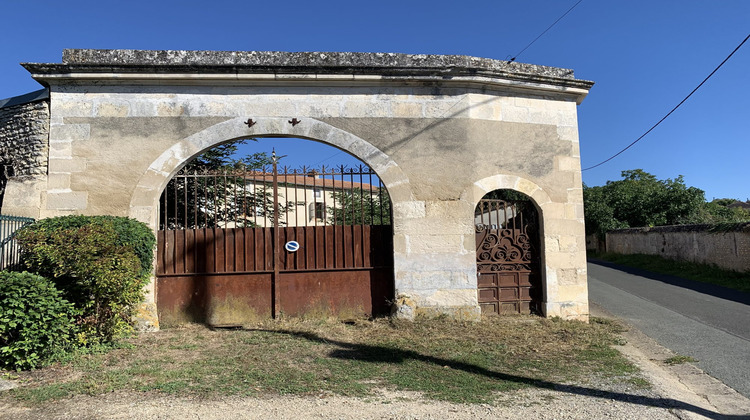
x=441 y=132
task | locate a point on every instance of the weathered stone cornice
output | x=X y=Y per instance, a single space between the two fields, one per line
x=263 y=67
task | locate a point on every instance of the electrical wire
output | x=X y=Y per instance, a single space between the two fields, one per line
x=545 y=31
x=673 y=109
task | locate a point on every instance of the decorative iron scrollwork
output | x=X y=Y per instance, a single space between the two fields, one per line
x=503 y=249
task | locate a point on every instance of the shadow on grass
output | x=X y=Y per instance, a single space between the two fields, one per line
x=696 y=286
x=380 y=354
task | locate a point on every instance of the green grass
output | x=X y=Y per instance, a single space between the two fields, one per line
x=678 y=360
x=441 y=359
x=692 y=271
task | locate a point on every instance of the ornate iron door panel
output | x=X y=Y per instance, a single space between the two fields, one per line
x=509 y=279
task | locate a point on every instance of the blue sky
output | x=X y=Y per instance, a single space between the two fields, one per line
x=644 y=55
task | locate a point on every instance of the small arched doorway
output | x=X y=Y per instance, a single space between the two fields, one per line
x=509 y=279
x=240 y=243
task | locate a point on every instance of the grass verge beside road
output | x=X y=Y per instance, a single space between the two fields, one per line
x=441 y=359
x=692 y=271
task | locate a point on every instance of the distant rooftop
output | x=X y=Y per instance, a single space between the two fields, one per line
x=38 y=95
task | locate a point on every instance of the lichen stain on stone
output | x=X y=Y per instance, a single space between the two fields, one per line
x=404 y=307
x=146 y=318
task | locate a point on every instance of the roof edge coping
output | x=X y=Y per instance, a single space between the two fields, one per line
x=301 y=60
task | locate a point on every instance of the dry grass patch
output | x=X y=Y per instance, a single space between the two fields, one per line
x=439 y=358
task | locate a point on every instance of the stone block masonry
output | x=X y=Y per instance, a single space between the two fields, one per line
x=24 y=134
x=725 y=248
x=440 y=132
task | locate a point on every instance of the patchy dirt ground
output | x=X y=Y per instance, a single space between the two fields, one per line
x=537 y=404
x=678 y=392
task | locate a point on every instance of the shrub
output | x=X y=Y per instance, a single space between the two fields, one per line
x=130 y=233
x=101 y=263
x=35 y=321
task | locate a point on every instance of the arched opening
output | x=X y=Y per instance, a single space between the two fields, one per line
x=260 y=228
x=509 y=255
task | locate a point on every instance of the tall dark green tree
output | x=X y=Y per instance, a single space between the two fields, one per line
x=223 y=157
x=640 y=200
x=213 y=190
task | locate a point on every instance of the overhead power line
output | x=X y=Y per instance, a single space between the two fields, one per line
x=673 y=109
x=545 y=31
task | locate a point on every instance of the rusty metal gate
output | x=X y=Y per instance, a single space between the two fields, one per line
x=240 y=246
x=508 y=257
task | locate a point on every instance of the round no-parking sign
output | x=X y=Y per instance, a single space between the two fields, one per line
x=291 y=246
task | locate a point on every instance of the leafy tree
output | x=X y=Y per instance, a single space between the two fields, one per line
x=599 y=213
x=719 y=211
x=640 y=199
x=222 y=157
x=360 y=207
x=216 y=189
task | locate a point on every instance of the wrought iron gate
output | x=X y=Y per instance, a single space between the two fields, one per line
x=10 y=253
x=235 y=247
x=508 y=257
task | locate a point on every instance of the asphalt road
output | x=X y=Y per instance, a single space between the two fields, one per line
x=709 y=323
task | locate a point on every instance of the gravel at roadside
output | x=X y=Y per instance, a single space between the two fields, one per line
x=536 y=404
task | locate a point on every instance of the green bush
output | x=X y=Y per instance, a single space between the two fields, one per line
x=35 y=321
x=101 y=263
x=130 y=233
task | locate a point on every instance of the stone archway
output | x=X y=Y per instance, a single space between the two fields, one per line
x=509 y=253
x=122 y=122
x=150 y=188
x=145 y=197
x=556 y=235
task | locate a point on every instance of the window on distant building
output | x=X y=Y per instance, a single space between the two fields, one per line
x=317 y=211
x=320 y=211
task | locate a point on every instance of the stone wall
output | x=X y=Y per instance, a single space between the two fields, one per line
x=439 y=131
x=728 y=249
x=24 y=133
x=593 y=243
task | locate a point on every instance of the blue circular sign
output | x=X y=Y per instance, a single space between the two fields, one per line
x=291 y=246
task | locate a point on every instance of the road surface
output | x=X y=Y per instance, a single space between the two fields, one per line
x=708 y=323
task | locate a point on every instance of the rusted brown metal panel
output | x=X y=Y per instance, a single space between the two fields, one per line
x=179 y=251
x=311 y=260
x=169 y=252
x=220 y=248
x=190 y=251
x=209 y=250
x=219 y=300
x=329 y=246
x=348 y=246
x=366 y=247
x=234 y=298
x=342 y=267
x=345 y=293
x=201 y=251
x=357 y=239
x=299 y=257
x=161 y=255
x=255 y=247
x=239 y=249
x=229 y=252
